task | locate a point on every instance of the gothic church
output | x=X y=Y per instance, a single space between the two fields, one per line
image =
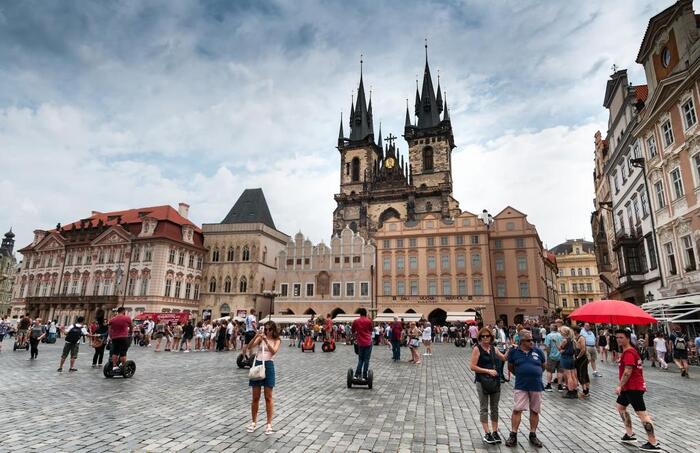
x=377 y=184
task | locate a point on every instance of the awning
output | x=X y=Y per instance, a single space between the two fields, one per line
x=287 y=319
x=407 y=317
x=677 y=309
x=460 y=316
x=226 y=318
x=345 y=318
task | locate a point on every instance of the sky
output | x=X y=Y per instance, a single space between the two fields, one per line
x=126 y=104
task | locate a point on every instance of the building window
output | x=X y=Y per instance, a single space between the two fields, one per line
x=181 y=258
x=350 y=289
x=214 y=255
x=575 y=302
x=651 y=146
x=635 y=208
x=446 y=287
x=131 y=287
x=245 y=256
x=427 y=159
x=522 y=263
x=461 y=261
x=501 y=289
x=475 y=239
x=445 y=262
x=284 y=289
x=462 y=287
x=476 y=260
x=524 y=289
x=168 y=285
x=178 y=285
x=309 y=290
x=188 y=290
x=580 y=272
x=385 y=243
x=444 y=240
x=498 y=243
x=144 y=287
x=386 y=263
x=399 y=243
x=400 y=263
x=689 y=117
x=336 y=289
x=574 y=287
x=230 y=255
x=364 y=289
x=243 y=285
x=615 y=182
x=386 y=288
x=564 y=303
x=171 y=257
x=677 y=183
x=412 y=242
x=212 y=285
x=459 y=240
x=660 y=197
x=670 y=258
x=500 y=263
x=431 y=262
x=355 y=169
x=414 y=287
x=227 y=285
x=400 y=288
x=431 y=242
x=589 y=287
x=356 y=259
x=689 y=253
x=645 y=204
x=652 y=253
x=478 y=290
x=190 y=261
x=667 y=133
x=432 y=287
x=296 y=289
x=413 y=262
x=562 y=287
x=195 y=295
x=573 y=272
x=588 y=271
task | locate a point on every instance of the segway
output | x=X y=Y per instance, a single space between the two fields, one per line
x=244 y=361
x=126 y=370
x=352 y=380
x=19 y=345
x=308 y=344
x=328 y=345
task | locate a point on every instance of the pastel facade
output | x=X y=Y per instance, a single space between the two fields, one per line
x=579 y=281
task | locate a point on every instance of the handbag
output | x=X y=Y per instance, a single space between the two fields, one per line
x=257 y=372
x=415 y=342
x=490 y=384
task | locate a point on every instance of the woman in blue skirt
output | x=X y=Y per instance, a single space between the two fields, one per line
x=267 y=340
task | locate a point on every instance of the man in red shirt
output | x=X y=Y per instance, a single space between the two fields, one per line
x=396 y=331
x=630 y=390
x=328 y=328
x=119 y=328
x=362 y=329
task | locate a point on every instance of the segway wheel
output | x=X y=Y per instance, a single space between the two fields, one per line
x=241 y=361
x=324 y=347
x=313 y=348
x=349 y=377
x=129 y=369
x=370 y=376
x=107 y=370
x=331 y=348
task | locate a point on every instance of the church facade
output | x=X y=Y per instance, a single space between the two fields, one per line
x=377 y=184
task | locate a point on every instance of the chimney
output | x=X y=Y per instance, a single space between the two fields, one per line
x=183 y=209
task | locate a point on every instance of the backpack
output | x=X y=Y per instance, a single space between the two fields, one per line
x=680 y=344
x=74 y=334
x=536 y=334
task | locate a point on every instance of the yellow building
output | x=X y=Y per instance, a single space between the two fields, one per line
x=578 y=274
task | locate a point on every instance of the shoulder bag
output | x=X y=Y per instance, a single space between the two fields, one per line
x=257 y=372
x=490 y=384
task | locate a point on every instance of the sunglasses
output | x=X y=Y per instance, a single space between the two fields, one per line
x=526 y=340
x=485 y=336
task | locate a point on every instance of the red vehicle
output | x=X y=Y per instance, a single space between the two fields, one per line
x=308 y=344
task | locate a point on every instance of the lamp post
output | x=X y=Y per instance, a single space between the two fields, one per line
x=271 y=294
x=639 y=163
x=488 y=221
x=117 y=282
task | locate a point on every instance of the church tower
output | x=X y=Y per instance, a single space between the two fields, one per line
x=430 y=143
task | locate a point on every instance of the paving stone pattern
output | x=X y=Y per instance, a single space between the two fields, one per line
x=200 y=402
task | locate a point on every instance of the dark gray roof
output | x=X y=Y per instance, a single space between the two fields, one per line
x=568 y=247
x=251 y=207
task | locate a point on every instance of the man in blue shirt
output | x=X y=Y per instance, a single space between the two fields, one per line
x=589 y=335
x=527 y=364
x=551 y=345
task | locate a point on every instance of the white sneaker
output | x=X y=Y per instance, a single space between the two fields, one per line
x=425 y=353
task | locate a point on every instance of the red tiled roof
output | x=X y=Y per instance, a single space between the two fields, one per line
x=641 y=92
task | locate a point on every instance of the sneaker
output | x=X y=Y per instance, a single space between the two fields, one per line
x=487 y=438
x=512 y=440
x=60 y=370
x=555 y=381
x=570 y=395
x=72 y=369
x=548 y=388
x=649 y=447
x=682 y=373
x=560 y=388
x=425 y=353
x=535 y=441
x=597 y=374
x=632 y=440
x=496 y=437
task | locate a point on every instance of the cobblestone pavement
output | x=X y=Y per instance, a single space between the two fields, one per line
x=200 y=402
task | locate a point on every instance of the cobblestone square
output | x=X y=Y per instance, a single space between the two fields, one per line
x=201 y=402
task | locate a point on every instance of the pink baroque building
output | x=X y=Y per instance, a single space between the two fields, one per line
x=147 y=259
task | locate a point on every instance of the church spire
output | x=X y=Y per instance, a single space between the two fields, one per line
x=408 y=116
x=360 y=126
x=438 y=101
x=429 y=114
x=446 y=116
x=341 y=134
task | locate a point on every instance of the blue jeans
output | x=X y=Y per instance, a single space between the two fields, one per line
x=364 y=352
x=395 y=349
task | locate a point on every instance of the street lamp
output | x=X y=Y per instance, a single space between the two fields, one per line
x=118 y=281
x=639 y=163
x=650 y=297
x=271 y=294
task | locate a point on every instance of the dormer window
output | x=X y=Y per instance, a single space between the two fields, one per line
x=665 y=57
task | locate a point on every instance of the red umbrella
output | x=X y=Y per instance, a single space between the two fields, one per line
x=612 y=312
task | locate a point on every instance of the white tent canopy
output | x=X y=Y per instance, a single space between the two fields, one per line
x=287 y=319
x=460 y=316
x=683 y=309
x=345 y=318
x=407 y=317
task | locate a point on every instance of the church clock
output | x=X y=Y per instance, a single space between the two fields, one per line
x=390 y=162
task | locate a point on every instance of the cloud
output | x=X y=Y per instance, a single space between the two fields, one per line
x=108 y=106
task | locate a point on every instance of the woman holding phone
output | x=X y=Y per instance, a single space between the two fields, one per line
x=267 y=341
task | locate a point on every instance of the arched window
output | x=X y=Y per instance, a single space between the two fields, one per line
x=262 y=285
x=264 y=255
x=212 y=285
x=246 y=253
x=353 y=226
x=355 y=169
x=215 y=255
x=243 y=287
x=227 y=285
x=427 y=159
x=225 y=310
x=230 y=254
